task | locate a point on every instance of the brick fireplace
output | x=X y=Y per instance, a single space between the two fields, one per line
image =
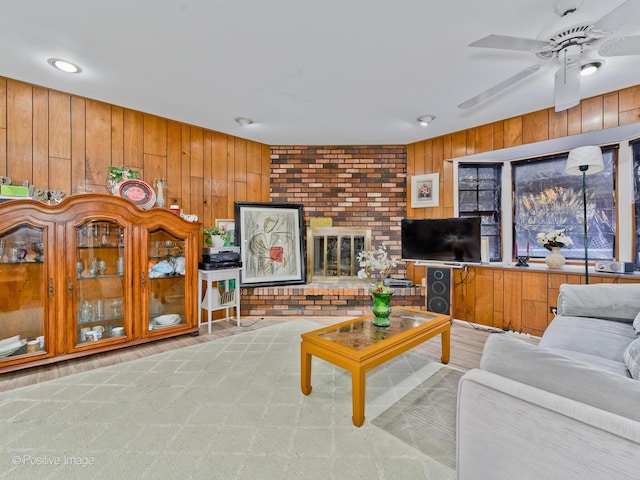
x=332 y=253
x=356 y=187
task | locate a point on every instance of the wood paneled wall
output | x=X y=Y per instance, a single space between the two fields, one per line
x=434 y=155
x=59 y=141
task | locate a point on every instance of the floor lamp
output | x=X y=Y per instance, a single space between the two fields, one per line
x=583 y=161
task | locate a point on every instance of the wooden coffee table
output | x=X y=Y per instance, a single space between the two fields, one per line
x=358 y=346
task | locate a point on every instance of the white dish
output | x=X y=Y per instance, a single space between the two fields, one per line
x=165 y=320
x=117 y=332
x=8 y=341
x=12 y=348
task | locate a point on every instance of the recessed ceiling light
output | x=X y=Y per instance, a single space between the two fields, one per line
x=64 y=65
x=425 y=120
x=590 y=68
x=243 y=121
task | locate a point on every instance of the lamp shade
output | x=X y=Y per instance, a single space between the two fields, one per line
x=589 y=157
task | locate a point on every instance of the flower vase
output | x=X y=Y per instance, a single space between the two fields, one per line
x=217 y=241
x=555 y=259
x=112 y=185
x=381 y=308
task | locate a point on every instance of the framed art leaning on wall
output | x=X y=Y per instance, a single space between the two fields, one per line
x=425 y=190
x=270 y=236
x=229 y=224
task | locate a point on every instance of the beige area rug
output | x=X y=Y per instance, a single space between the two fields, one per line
x=227 y=409
x=425 y=418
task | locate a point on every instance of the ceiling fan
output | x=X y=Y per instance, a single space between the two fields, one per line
x=565 y=41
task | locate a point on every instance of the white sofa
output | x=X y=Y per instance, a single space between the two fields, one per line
x=564 y=409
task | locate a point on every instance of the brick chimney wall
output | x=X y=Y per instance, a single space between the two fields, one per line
x=356 y=186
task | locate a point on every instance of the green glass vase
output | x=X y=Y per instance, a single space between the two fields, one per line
x=381 y=308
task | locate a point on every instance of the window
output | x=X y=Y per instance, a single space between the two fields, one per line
x=547 y=199
x=479 y=195
x=635 y=149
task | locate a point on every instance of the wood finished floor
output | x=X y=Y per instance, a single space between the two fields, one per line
x=467 y=342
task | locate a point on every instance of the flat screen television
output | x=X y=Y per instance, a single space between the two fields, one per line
x=441 y=240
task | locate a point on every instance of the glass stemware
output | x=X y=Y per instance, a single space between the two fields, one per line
x=115 y=304
x=169 y=244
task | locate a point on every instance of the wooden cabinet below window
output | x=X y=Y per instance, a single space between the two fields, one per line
x=517 y=299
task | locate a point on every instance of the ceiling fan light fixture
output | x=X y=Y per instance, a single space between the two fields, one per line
x=590 y=68
x=425 y=120
x=243 y=121
x=64 y=65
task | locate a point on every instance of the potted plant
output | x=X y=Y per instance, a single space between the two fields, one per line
x=117 y=175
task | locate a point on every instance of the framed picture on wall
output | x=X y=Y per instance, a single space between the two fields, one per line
x=229 y=224
x=425 y=191
x=270 y=236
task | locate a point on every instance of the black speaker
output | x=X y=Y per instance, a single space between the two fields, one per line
x=438 y=296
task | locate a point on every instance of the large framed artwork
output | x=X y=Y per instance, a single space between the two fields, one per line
x=270 y=236
x=425 y=190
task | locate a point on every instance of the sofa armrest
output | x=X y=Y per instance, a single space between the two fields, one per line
x=507 y=429
x=608 y=301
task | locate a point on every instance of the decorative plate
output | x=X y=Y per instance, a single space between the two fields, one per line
x=139 y=192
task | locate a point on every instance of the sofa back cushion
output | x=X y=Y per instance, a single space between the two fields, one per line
x=632 y=359
x=619 y=302
x=540 y=368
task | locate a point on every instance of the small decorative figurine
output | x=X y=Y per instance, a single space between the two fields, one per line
x=160 y=184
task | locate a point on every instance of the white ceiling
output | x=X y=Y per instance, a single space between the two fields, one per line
x=308 y=72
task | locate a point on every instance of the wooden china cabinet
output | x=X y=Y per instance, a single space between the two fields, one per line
x=92 y=274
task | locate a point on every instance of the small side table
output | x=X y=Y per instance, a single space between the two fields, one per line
x=212 y=300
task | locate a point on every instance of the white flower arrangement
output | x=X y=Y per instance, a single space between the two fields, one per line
x=557 y=238
x=376 y=262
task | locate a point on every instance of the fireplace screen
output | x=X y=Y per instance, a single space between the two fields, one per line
x=332 y=252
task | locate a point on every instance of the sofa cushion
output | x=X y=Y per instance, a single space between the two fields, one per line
x=600 y=300
x=613 y=366
x=632 y=359
x=593 y=336
x=540 y=368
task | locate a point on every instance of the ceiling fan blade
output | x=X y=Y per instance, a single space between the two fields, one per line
x=472 y=102
x=621 y=46
x=567 y=89
x=618 y=17
x=510 y=43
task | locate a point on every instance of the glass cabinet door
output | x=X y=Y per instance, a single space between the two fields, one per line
x=24 y=288
x=166 y=273
x=100 y=278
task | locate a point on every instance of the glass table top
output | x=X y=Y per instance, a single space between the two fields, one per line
x=363 y=333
